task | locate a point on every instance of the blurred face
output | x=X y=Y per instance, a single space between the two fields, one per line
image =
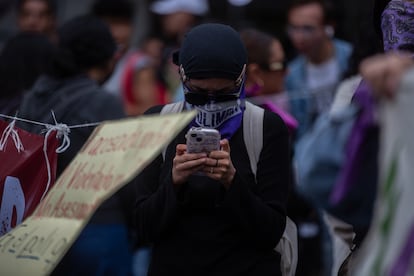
x=154 y=47
x=35 y=16
x=273 y=75
x=177 y=24
x=306 y=28
x=121 y=31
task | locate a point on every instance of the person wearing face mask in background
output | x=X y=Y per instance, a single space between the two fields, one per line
x=226 y=221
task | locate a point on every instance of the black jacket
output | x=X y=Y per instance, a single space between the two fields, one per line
x=75 y=101
x=202 y=229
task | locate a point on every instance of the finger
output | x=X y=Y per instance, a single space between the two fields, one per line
x=195 y=169
x=180 y=149
x=213 y=171
x=189 y=164
x=189 y=156
x=225 y=146
x=181 y=175
x=212 y=161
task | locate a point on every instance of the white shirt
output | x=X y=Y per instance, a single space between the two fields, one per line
x=321 y=82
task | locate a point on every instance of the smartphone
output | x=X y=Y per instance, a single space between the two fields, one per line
x=201 y=139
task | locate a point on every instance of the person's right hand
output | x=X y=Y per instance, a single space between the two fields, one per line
x=185 y=164
x=384 y=72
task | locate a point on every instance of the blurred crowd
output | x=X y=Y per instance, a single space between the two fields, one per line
x=303 y=64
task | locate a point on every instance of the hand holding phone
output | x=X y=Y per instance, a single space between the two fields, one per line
x=201 y=139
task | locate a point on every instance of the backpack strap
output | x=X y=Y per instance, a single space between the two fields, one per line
x=288 y=249
x=253 y=133
x=171 y=108
x=253 y=138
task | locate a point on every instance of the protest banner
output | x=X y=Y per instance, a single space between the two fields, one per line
x=27 y=172
x=389 y=246
x=115 y=153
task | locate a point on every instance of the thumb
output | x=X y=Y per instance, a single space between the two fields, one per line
x=225 y=145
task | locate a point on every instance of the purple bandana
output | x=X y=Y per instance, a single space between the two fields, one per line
x=397 y=24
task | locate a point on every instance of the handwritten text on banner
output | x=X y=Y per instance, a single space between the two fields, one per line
x=115 y=153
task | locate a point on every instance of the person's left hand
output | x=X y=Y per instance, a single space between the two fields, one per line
x=218 y=165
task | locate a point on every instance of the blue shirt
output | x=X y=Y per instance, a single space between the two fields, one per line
x=296 y=84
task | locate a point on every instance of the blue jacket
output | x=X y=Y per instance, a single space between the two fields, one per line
x=296 y=84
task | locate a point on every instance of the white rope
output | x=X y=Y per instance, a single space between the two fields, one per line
x=49 y=173
x=10 y=131
x=62 y=132
x=22 y=120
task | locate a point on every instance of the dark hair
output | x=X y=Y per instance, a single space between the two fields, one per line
x=329 y=12
x=257 y=44
x=23 y=59
x=117 y=9
x=365 y=44
x=52 y=7
x=84 y=42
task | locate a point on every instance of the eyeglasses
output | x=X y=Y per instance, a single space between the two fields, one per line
x=306 y=30
x=199 y=96
x=275 y=66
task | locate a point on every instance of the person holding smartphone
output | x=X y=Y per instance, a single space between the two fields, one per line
x=226 y=220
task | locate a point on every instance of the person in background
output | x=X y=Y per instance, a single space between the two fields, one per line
x=85 y=58
x=135 y=79
x=265 y=86
x=171 y=20
x=37 y=16
x=366 y=43
x=141 y=86
x=119 y=15
x=349 y=145
x=357 y=179
x=226 y=221
x=320 y=154
x=23 y=59
x=266 y=70
x=320 y=64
